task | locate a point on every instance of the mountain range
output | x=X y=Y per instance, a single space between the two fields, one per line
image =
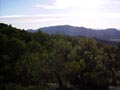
x=109 y=34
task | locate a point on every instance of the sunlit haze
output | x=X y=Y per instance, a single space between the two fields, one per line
x=33 y=14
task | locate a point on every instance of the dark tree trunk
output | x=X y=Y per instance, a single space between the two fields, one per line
x=59 y=79
x=114 y=82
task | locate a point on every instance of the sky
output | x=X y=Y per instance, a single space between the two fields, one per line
x=33 y=14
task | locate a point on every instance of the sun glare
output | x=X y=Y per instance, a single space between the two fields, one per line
x=78 y=3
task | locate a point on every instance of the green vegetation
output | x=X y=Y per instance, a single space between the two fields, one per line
x=38 y=61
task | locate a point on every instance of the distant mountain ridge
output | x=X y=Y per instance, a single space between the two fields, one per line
x=109 y=34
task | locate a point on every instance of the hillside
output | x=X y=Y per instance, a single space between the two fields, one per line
x=107 y=34
x=40 y=61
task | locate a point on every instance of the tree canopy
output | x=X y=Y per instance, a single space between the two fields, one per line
x=39 y=61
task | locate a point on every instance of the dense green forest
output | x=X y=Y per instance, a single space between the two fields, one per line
x=39 y=61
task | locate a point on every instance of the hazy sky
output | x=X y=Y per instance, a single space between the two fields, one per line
x=33 y=14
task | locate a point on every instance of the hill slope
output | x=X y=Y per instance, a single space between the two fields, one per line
x=107 y=34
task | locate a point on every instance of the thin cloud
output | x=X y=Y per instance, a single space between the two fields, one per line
x=115 y=1
x=95 y=15
x=57 y=17
x=30 y=18
x=62 y=4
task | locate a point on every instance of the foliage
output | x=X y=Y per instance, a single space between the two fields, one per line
x=38 y=61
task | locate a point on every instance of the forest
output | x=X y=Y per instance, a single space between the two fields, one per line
x=39 y=61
